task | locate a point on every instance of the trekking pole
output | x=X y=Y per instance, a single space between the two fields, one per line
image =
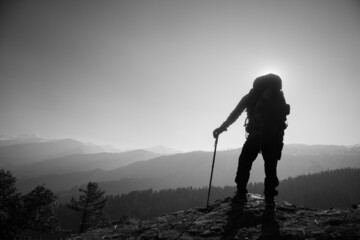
x=212 y=170
x=207 y=202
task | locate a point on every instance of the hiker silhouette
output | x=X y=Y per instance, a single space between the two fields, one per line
x=265 y=124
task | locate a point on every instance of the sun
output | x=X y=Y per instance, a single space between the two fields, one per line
x=269 y=69
x=279 y=69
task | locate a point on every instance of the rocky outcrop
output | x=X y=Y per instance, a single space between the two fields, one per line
x=223 y=220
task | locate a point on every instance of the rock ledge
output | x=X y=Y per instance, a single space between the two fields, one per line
x=222 y=221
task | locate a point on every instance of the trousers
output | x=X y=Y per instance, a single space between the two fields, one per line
x=270 y=146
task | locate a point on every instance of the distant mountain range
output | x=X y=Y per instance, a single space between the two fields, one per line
x=39 y=151
x=31 y=155
x=80 y=163
x=34 y=138
x=162 y=150
x=65 y=164
x=25 y=138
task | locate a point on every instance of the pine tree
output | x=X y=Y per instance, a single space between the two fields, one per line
x=38 y=211
x=33 y=211
x=9 y=203
x=90 y=206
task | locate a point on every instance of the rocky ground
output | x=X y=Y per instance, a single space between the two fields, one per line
x=221 y=220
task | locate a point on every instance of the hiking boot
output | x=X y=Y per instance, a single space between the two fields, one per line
x=269 y=203
x=239 y=199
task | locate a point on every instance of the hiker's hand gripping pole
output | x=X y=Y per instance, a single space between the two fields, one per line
x=212 y=170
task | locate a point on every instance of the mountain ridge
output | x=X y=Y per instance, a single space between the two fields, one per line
x=192 y=169
x=81 y=163
x=38 y=151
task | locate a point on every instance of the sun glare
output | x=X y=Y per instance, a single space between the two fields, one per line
x=267 y=70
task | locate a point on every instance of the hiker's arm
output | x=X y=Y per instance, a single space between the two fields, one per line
x=232 y=117
x=235 y=114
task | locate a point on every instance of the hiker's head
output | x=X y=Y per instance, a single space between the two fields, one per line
x=268 y=81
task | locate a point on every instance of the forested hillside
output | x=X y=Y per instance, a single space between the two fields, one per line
x=336 y=188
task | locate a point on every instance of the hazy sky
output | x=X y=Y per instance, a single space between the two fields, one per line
x=137 y=74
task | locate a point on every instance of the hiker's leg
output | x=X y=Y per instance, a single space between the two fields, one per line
x=270 y=161
x=271 y=179
x=248 y=154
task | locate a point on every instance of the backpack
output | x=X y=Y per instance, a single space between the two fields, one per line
x=267 y=81
x=267 y=108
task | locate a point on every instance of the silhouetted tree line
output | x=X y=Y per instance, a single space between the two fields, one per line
x=34 y=216
x=22 y=216
x=148 y=204
x=335 y=188
x=37 y=210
